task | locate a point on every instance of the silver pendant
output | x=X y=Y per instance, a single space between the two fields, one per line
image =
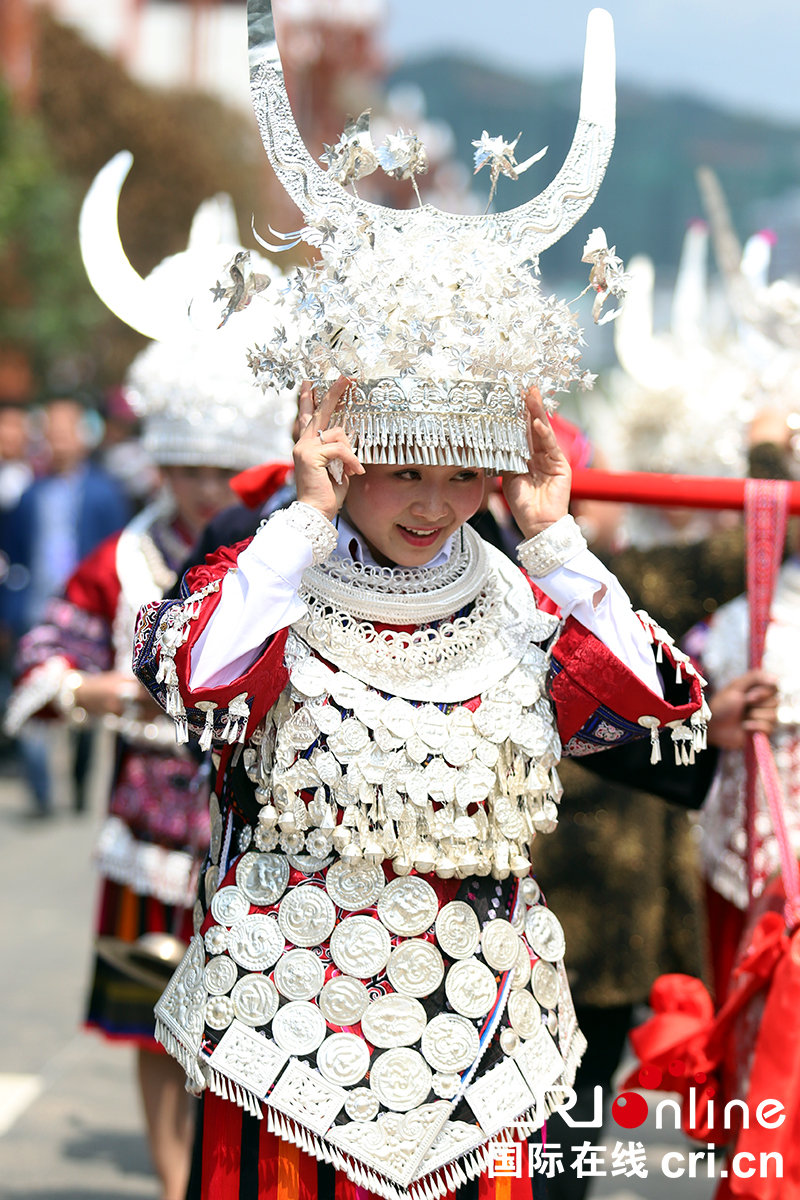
x=450 y=1043
x=229 y=906
x=343 y=1000
x=255 y=942
x=216 y=939
x=219 y=1012
x=360 y=946
x=361 y=1105
x=393 y=1021
x=306 y=916
x=220 y=975
x=499 y=944
x=401 y=1079
x=544 y=984
x=343 y=1058
x=262 y=877
x=524 y=1013
x=354 y=887
x=458 y=930
x=299 y=975
x=415 y=968
x=255 y=1000
x=470 y=987
x=544 y=933
x=299 y=1027
x=408 y=906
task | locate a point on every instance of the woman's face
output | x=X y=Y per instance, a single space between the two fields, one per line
x=406 y=514
x=200 y=493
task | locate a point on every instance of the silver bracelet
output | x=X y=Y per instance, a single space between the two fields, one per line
x=318 y=530
x=551 y=548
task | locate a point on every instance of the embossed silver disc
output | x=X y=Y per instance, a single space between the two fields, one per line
x=299 y=1027
x=216 y=939
x=220 y=975
x=354 y=887
x=470 y=988
x=219 y=1012
x=343 y=1058
x=360 y=946
x=255 y=1000
x=229 y=905
x=299 y=975
x=306 y=916
x=522 y=968
x=255 y=942
x=499 y=944
x=544 y=984
x=524 y=1013
x=343 y=1000
x=401 y=1079
x=361 y=1104
x=415 y=968
x=262 y=877
x=210 y=884
x=408 y=906
x=458 y=930
x=544 y=933
x=450 y=1043
x=394 y=1021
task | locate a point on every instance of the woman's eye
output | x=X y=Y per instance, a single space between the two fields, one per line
x=466 y=476
x=408 y=475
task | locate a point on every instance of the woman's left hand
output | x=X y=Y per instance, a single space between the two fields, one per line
x=540 y=496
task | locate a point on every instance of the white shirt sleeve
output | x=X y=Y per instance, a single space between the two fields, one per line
x=257 y=599
x=585 y=589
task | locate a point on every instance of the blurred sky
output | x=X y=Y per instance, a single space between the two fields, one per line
x=742 y=53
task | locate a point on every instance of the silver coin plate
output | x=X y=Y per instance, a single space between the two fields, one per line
x=262 y=877
x=522 y=968
x=415 y=968
x=219 y=1012
x=306 y=916
x=360 y=946
x=343 y=1058
x=401 y=1079
x=343 y=1000
x=216 y=939
x=544 y=984
x=255 y=942
x=524 y=1014
x=210 y=884
x=299 y=1027
x=220 y=975
x=361 y=1104
x=450 y=1043
x=408 y=906
x=255 y=1000
x=499 y=944
x=229 y=905
x=393 y=1021
x=458 y=930
x=544 y=933
x=354 y=887
x=470 y=987
x=299 y=975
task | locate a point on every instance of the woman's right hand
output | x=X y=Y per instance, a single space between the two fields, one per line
x=110 y=692
x=314 y=453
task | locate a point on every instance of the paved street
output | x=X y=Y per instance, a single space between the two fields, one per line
x=70 y=1126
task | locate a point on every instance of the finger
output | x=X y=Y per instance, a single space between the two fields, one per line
x=329 y=401
x=343 y=452
x=305 y=403
x=761 y=694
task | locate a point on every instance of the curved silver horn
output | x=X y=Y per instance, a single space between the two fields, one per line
x=118 y=285
x=538 y=223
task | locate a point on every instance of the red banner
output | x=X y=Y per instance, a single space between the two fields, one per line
x=665 y=491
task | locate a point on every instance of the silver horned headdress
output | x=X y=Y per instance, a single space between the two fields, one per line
x=191 y=386
x=440 y=318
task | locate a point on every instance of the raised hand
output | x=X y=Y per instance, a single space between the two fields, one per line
x=318 y=447
x=540 y=496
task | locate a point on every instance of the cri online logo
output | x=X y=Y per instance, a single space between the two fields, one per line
x=630 y=1109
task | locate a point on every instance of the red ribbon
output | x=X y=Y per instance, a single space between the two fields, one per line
x=255 y=485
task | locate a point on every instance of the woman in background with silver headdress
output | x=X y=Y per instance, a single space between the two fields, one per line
x=203 y=420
